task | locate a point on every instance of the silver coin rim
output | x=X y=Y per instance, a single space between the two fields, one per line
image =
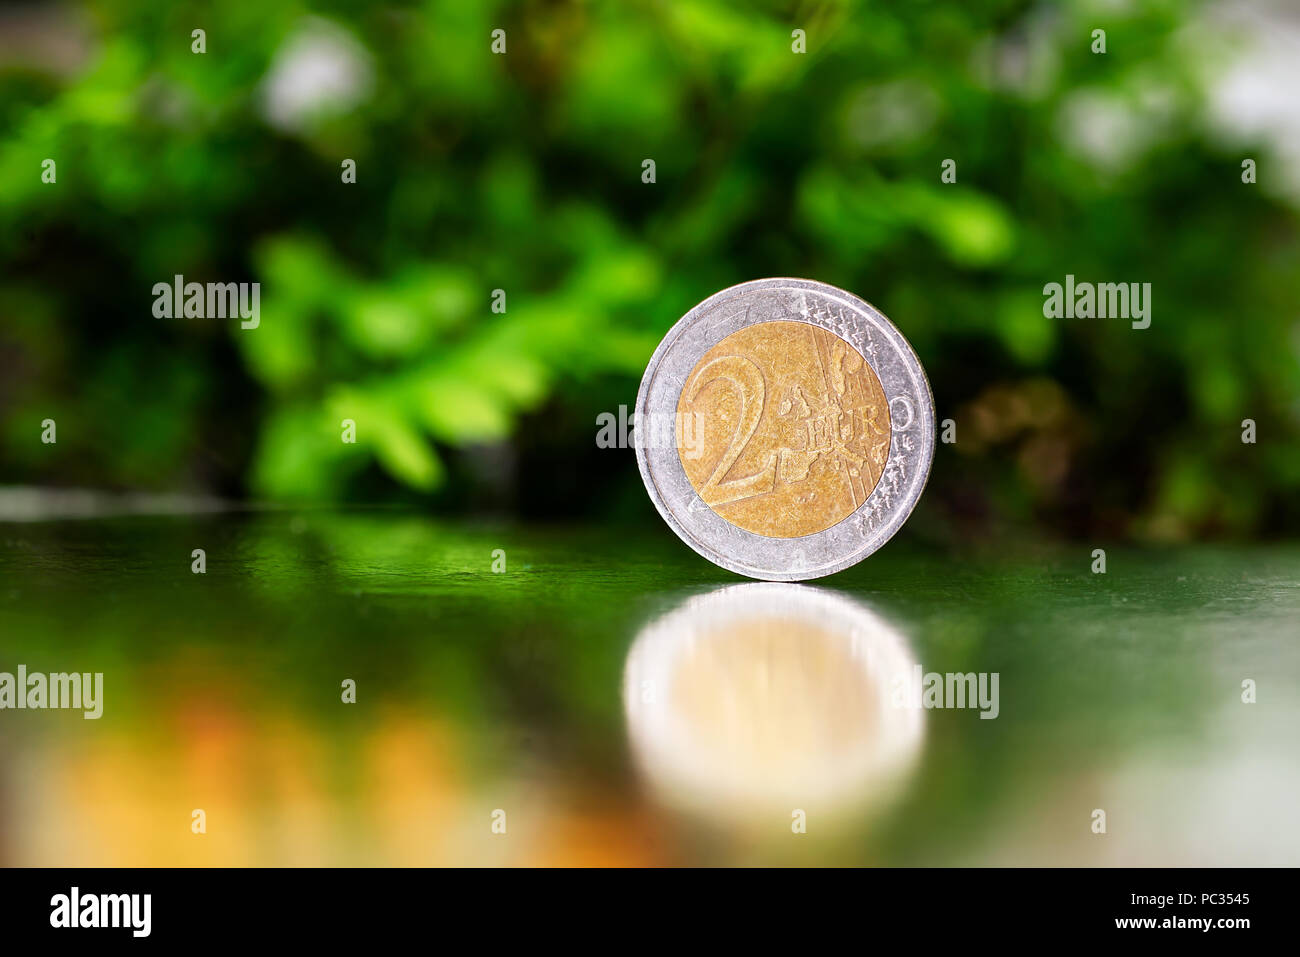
x=833 y=549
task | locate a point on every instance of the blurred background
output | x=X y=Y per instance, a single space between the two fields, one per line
x=523 y=172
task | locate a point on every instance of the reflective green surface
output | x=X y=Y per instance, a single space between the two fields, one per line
x=482 y=691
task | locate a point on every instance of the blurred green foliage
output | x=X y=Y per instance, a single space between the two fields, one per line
x=523 y=172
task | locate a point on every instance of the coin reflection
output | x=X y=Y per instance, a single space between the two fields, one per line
x=769 y=696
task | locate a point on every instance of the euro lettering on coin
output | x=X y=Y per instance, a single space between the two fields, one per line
x=784 y=429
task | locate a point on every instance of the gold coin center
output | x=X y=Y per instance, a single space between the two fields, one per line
x=783 y=428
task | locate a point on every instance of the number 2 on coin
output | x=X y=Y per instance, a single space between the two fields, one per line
x=748 y=380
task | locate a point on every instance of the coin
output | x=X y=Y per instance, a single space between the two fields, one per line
x=784 y=429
